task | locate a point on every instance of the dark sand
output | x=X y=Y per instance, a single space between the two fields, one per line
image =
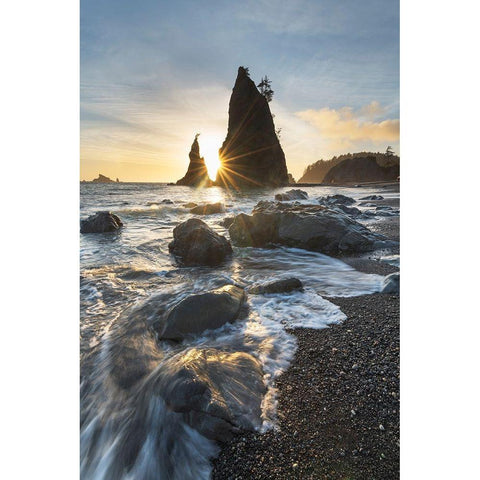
x=338 y=403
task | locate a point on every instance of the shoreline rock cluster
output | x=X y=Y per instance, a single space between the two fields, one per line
x=311 y=227
x=220 y=393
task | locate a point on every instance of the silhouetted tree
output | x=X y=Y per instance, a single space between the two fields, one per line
x=246 y=70
x=265 y=88
x=389 y=151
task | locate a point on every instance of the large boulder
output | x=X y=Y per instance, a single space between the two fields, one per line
x=294 y=194
x=197 y=173
x=205 y=311
x=280 y=286
x=372 y=197
x=352 y=211
x=337 y=199
x=391 y=283
x=101 y=222
x=195 y=243
x=208 y=209
x=312 y=227
x=251 y=155
x=218 y=393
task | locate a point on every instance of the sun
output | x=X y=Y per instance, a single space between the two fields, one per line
x=209 y=145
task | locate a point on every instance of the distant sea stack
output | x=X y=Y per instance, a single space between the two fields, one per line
x=251 y=155
x=363 y=169
x=102 y=179
x=197 y=173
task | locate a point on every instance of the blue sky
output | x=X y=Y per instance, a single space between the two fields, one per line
x=154 y=73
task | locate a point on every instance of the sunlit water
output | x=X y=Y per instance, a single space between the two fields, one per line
x=129 y=277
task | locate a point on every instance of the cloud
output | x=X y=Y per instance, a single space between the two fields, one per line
x=346 y=128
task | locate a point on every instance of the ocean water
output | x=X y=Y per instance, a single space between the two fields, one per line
x=128 y=277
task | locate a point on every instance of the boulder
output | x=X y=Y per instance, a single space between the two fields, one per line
x=195 y=243
x=197 y=173
x=219 y=393
x=372 y=197
x=226 y=222
x=190 y=205
x=352 y=211
x=280 y=286
x=312 y=227
x=294 y=194
x=336 y=199
x=291 y=180
x=100 y=222
x=251 y=155
x=167 y=201
x=205 y=311
x=391 y=283
x=208 y=209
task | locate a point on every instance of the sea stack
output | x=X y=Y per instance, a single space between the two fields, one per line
x=251 y=155
x=197 y=173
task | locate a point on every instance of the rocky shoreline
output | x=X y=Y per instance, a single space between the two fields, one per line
x=338 y=403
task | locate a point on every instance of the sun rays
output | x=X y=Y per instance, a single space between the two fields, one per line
x=209 y=146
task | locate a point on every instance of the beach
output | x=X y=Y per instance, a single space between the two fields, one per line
x=338 y=402
x=320 y=399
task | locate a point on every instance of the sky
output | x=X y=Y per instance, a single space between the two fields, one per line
x=153 y=73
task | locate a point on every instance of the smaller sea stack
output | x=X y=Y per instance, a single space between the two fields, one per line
x=197 y=173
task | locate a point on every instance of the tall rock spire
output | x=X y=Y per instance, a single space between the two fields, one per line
x=251 y=155
x=197 y=173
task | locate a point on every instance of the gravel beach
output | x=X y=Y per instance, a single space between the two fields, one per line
x=338 y=403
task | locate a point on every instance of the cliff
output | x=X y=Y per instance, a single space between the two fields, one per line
x=315 y=173
x=361 y=169
x=251 y=155
x=197 y=173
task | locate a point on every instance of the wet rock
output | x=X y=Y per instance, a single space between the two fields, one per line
x=101 y=222
x=251 y=152
x=280 y=286
x=195 y=243
x=391 y=283
x=218 y=393
x=197 y=173
x=190 y=204
x=208 y=209
x=205 y=311
x=257 y=230
x=352 y=211
x=167 y=201
x=311 y=227
x=294 y=194
x=227 y=221
x=336 y=199
x=372 y=197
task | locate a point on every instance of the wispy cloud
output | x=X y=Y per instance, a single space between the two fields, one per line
x=347 y=128
x=153 y=74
